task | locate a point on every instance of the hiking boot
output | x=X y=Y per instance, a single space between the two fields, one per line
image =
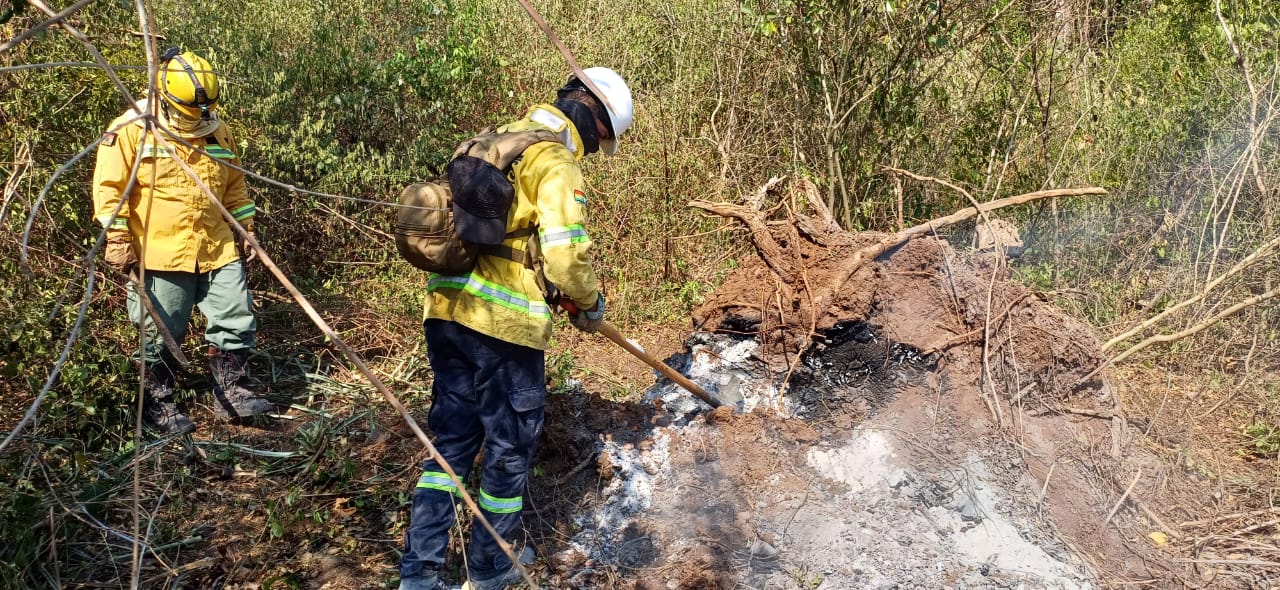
x=158 y=409
x=232 y=397
x=428 y=580
x=501 y=582
x=165 y=417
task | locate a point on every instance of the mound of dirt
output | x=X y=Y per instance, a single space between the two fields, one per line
x=932 y=427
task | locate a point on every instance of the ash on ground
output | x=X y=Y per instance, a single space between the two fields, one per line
x=919 y=494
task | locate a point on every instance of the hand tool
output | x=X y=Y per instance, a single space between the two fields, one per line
x=611 y=332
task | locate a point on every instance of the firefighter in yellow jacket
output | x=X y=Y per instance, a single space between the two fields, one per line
x=487 y=331
x=165 y=223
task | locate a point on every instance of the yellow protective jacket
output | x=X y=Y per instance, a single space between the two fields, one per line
x=173 y=223
x=500 y=297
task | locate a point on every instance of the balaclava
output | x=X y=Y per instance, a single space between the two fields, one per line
x=583 y=119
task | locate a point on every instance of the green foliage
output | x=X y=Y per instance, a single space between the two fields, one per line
x=1263 y=439
x=560 y=368
x=356 y=104
x=14 y=8
x=1146 y=99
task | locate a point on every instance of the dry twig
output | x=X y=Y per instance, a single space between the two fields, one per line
x=1123 y=496
x=1191 y=331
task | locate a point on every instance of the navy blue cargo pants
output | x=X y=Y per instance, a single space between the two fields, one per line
x=486 y=392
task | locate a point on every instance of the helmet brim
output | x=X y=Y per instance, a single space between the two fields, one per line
x=609 y=146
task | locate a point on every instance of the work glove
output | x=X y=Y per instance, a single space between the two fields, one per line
x=588 y=320
x=248 y=253
x=119 y=252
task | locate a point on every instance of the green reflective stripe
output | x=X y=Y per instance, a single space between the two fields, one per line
x=244 y=211
x=153 y=151
x=570 y=234
x=491 y=292
x=218 y=151
x=437 y=481
x=120 y=223
x=500 y=505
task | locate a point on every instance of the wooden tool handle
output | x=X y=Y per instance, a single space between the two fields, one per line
x=613 y=334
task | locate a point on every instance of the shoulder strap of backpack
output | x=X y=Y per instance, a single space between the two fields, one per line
x=516 y=255
x=502 y=149
x=529 y=258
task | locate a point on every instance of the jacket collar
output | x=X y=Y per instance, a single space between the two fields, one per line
x=552 y=118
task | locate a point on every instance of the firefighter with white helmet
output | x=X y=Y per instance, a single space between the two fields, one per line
x=164 y=222
x=487 y=331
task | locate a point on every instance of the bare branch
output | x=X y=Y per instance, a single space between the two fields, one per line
x=56 y=19
x=148 y=43
x=66 y=64
x=1245 y=263
x=1196 y=329
x=860 y=258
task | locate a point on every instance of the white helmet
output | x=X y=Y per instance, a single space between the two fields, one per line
x=618 y=97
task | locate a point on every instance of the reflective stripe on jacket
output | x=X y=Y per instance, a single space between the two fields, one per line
x=501 y=298
x=174 y=225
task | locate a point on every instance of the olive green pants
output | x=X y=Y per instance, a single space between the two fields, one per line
x=222 y=296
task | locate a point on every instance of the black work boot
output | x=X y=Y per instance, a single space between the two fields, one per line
x=232 y=397
x=158 y=408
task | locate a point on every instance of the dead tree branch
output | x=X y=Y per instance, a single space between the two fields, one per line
x=861 y=257
x=1200 y=327
x=1248 y=261
x=770 y=251
x=1193 y=330
x=55 y=19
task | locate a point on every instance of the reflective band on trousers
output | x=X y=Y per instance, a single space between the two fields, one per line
x=500 y=505
x=437 y=480
x=569 y=234
x=491 y=292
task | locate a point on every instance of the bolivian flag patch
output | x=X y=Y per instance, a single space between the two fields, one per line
x=580 y=197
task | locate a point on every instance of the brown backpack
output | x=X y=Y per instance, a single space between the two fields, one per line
x=424 y=227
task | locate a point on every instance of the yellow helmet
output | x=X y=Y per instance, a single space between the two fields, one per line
x=188 y=83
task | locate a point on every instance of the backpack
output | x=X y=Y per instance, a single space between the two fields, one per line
x=424 y=226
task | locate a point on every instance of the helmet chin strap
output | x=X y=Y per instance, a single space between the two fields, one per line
x=186 y=126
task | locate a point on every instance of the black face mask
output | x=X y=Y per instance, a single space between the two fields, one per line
x=584 y=120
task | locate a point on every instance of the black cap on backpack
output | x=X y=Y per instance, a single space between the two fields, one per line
x=482 y=196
